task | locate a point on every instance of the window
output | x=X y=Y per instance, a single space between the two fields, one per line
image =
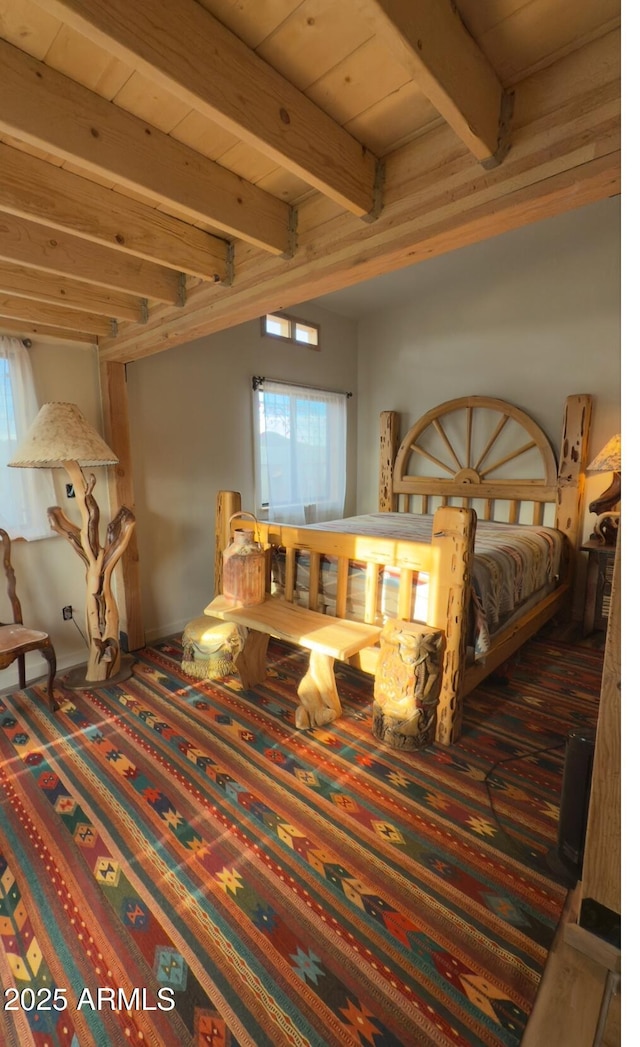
x=301 y=451
x=289 y=329
x=25 y=494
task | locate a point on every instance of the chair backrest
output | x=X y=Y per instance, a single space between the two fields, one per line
x=10 y=576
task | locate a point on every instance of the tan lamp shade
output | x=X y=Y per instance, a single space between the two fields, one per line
x=60 y=433
x=608 y=460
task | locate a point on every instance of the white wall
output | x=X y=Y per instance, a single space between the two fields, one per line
x=49 y=573
x=191 y=434
x=531 y=316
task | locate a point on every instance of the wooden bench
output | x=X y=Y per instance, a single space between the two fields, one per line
x=325 y=637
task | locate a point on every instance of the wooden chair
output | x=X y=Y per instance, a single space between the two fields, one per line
x=15 y=639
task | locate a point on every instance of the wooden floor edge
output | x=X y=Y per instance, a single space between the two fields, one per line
x=567 y=1009
x=591 y=945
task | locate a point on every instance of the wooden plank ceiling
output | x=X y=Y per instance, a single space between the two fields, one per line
x=169 y=169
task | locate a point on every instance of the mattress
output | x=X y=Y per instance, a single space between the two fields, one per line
x=513 y=565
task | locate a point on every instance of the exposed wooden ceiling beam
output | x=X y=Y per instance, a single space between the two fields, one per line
x=39 y=246
x=61 y=290
x=42 y=107
x=361 y=258
x=183 y=48
x=25 y=329
x=430 y=40
x=565 y=154
x=35 y=189
x=39 y=312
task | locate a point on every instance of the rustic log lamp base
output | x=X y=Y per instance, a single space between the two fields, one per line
x=105 y=664
x=61 y=437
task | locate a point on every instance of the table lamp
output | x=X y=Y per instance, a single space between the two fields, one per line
x=61 y=437
x=607 y=460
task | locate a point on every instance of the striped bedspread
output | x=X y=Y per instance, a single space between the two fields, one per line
x=512 y=565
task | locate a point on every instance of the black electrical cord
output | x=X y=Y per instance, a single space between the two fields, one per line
x=80 y=631
x=516 y=848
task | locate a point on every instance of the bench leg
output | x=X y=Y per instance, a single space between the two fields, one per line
x=251 y=663
x=318 y=694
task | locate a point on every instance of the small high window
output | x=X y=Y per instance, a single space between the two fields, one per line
x=290 y=329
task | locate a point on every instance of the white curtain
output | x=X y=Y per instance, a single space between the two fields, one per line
x=25 y=494
x=301 y=452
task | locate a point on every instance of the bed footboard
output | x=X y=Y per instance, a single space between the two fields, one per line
x=446 y=560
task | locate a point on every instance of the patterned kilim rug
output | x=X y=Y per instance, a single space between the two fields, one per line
x=179 y=865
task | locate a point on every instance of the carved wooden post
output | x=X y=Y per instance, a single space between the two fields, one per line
x=572 y=463
x=407 y=685
x=452 y=540
x=389 y=432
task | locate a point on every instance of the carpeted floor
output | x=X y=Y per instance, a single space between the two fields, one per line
x=179 y=865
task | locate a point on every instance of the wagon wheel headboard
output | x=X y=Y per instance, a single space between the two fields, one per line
x=486 y=453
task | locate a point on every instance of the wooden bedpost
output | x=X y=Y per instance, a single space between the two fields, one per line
x=572 y=464
x=389 y=432
x=227 y=503
x=453 y=539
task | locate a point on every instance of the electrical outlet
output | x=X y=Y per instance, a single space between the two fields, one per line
x=67 y=612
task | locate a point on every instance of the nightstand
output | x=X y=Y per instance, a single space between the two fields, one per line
x=598 y=589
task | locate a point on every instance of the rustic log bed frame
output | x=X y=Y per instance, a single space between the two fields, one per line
x=468 y=491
